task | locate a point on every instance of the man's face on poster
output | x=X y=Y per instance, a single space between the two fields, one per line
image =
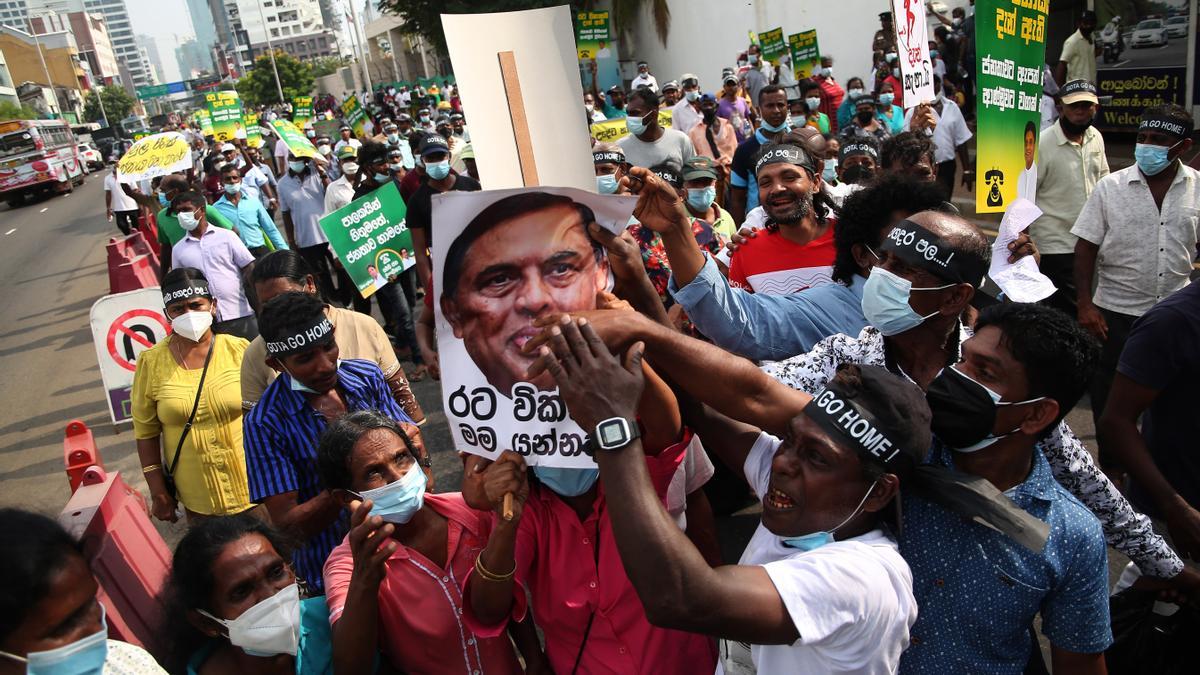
x=524 y=268
x=1030 y=147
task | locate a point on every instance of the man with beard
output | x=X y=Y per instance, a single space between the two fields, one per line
x=649 y=143
x=773 y=107
x=796 y=251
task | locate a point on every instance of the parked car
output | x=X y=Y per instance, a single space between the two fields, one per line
x=91 y=156
x=1177 y=27
x=1149 y=33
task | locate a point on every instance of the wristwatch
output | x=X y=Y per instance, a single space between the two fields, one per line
x=614 y=433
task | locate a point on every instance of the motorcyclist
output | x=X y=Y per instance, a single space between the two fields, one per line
x=1111 y=36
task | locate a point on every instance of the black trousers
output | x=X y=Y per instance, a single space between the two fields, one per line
x=1110 y=355
x=1060 y=267
x=127 y=221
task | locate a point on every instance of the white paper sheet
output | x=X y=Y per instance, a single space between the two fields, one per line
x=1021 y=281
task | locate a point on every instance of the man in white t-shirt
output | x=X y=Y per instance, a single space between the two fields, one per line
x=281 y=156
x=119 y=205
x=644 y=78
x=821 y=587
x=945 y=123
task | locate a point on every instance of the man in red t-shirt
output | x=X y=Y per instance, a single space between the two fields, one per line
x=796 y=251
x=831 y=92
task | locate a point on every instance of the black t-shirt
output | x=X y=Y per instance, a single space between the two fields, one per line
x=420 y=205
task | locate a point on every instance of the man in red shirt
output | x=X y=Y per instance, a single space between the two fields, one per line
x=831 y=92
x=797 y=250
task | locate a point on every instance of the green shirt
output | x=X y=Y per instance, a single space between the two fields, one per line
x=169 y=231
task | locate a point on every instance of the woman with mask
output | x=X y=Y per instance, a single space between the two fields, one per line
x=396 y=579
x=186 y=403
x=53 y=622
x=845 y=111
x=805 y=111
x=237 y=606
x=890 y=114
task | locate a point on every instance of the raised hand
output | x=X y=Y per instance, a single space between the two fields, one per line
x=659 y=206
x=594 y=384
x=370 y=543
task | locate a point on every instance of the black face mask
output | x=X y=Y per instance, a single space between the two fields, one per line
x=858 y=173
x=710 y=116
x=964 y=411
x=1072 y=129
x=864 y=118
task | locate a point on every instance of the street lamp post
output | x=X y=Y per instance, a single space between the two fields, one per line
x=362 y=50
x=271 y=50
x=45 y=69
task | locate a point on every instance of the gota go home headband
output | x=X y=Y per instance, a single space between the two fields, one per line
x=608 y=157
x=1162 y=124
x=185 y=290
x=785 y=154
x=318 y=332
x=850 y=423
x=921 y=248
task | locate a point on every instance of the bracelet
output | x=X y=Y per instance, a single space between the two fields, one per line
x=491 y=576
x=152 y=468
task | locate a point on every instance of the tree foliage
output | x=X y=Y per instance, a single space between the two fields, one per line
x=328 y=65
x=117 y=104
x=257 y=86
x=13 y=111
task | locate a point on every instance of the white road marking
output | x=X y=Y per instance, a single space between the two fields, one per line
x=45 y=209
x=10 y=231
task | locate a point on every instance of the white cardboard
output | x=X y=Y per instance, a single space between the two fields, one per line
x=916 y=68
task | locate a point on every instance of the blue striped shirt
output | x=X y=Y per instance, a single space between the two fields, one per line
x=280 y=435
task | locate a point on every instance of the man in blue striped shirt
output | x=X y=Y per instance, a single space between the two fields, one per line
x=282 y=431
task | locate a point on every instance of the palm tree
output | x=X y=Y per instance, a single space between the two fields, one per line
x=627 y=13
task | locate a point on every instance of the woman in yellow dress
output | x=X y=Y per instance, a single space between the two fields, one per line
x=208 y=467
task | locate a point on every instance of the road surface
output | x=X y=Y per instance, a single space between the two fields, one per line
x=1174 y=53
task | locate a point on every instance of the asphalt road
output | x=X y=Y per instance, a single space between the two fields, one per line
x=1174 y=53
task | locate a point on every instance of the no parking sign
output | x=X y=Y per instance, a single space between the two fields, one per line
x=123 y=326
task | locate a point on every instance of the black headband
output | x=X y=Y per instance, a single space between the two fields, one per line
x=186 y=289
x=669 y=175
x=860 y=148
x=316 y=333
x=782 y=153
x=1165 y=125
x=608 y=156
x=851 y=424
x=921 y=248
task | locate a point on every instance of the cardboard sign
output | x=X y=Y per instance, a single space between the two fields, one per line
x=371 y=239
x=298 y=144
x=912 y=41
x=123 y=326
x=302 y=110
x=541 y=46
x=206 y=127
x=614 y=130
x=483 y=319
x=772 y=45
x=155 y=155
x=356 y=117
x=225 y=109
x=806 y=55
x=591 y=34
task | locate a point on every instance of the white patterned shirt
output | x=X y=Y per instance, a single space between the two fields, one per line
x=1125 y=529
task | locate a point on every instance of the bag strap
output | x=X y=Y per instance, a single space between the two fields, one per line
x=195 y=406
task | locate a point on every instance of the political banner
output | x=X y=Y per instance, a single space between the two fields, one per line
x=806 y=55
x=155 y=155
x=591 y=34
x=371 y=238
x=327 y=128
x=614 y=130
x=297 y=143
x=1134 y=90
x=1011 y=49
x=225 y=109
x=527 y=234
x=302 y=110
x=123 y=326
x=912 y=43
x=205 y=120
x=772 y=45
x=356 y=117
x=253 y=134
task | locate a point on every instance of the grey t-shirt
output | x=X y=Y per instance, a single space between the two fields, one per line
x=673 y=146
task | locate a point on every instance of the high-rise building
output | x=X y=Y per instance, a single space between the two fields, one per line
x=193 y=59
x=149 y=48
x=91 y=38
x=297 y=27
x=17 y=13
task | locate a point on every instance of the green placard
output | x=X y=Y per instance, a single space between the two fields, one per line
x=297 y=143
x=806 y=55
x=253 y=135
x=302 y=110
x=1011 y=48
x=225 y=109
x=772 y=45
x=371 y=239
x=355 y=116
x=205 y=119
x=591 y=33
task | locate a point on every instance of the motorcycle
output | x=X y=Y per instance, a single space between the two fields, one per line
x=1112 y=43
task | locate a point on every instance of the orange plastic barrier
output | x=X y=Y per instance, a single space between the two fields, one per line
x=79 y=452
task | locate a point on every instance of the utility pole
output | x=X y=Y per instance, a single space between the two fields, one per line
x=100 y=100
x=362 y=52
x=45 y=69
x=271 y=49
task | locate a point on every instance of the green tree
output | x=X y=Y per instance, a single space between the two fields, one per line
x=257 y=86
x=327 y=65
x=117 y=104
x=423 y=17
x=13 y=111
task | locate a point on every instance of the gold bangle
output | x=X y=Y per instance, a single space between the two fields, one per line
x=152 y=468
x=491 y=576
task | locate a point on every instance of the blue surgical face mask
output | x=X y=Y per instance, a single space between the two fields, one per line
x=438 y=170
x=886 y=99
x=813 y=540
x=233 y=188
x=692 y=96
x=162 y=199
x=813 y=102
x=382 y=177
x=636 y=125
x=767 y=127
x=85 y=656
x=799 y=121
x=297 y=167
x=566 y=482
x=297 y=385
x=398 y=501
x=885 y=302
x=855 y=93
x=829 y=174
x=606 y=184
x=1152 y=159
x=701 y=198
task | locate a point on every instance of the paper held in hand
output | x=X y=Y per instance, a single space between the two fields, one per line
x=1021 y=281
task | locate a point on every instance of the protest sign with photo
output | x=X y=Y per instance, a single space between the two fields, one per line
x=772 y=45
x=253 y=133
x=912 y=41
x=302 y=110
x=370 y=238
x=806 y=56
x=1143 y=61
x=298 y=144
x=327 y=128
x=1011 y=50
x=502 y=259
x=205 y=120
x=614 y=130
x=591 y=34
x=355 y=116
x=225 y=110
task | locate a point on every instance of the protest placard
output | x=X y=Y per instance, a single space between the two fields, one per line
x=205 y=120
x=371 y=239
x=1010 y=53
x=483 y=323
x=806 y=56
x=356 y=117
x=772 y=45
x=297 y=143
x=155 y=155
x=253 y=134
x=912 y=41
x=591 y=34
x=225 y=110
x=302 y=110
x=326 y=127
x=614 y=130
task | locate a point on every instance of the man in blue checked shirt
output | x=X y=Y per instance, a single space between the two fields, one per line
x=282 y=431
x=253 y=222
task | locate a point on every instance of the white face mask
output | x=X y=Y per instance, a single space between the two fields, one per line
x=349 y=168
x=271 y=627
x=192 y=325
x=188 y=221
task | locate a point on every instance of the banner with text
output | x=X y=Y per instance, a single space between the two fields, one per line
x=371 y=239
x=591 y=34
x=356 y=117
x=772 y=45
x=297 y=143
x=806 y=55
x=302 y=110
x=225 y=110
x=1134 y=90
x=254 y=137
x=614 y=130
x=912 y=41
x=1011 y=49
x=205 y=120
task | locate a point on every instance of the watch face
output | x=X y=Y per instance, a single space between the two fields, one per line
x=612 y=433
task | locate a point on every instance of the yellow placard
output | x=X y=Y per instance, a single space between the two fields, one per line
x=614 y=130
x=155 y=155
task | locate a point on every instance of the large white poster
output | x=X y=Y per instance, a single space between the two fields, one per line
x=912 y=40
x=502 y=260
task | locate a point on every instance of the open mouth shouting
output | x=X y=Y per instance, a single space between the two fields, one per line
x=776 y=500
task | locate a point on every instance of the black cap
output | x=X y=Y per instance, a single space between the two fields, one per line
x=885 y=15
x=1076 y=91
x=432 y=143
x=669 y=173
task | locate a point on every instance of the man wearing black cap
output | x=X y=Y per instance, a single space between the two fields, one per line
x=1077 y=60
x=733 y=107
x=435 y=157
x=885 y=38
x=821 y=586
x=670 y=94
x=858 y=162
